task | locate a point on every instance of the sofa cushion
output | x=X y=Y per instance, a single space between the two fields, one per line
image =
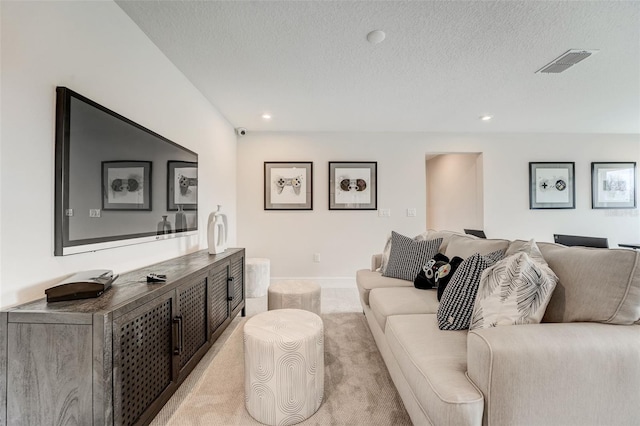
x=515 y=290
x=367 y=279
x=408 y=256
x=456 y=305
x=401 y=300
x=463 y=246
x=594 y=284
x=432 y=234
x=434 y=363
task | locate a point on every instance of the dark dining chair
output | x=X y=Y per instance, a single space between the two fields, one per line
x=576 y=240
x=477 y=232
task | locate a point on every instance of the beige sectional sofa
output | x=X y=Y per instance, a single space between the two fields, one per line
x=580 y=366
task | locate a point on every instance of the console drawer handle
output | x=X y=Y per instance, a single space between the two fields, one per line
x=230 y=288
x=177 y=321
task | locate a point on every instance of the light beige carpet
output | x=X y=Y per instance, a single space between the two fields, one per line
x=358 y=388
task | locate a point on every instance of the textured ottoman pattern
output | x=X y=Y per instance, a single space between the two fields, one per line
x=295 y=295
x=284 y=366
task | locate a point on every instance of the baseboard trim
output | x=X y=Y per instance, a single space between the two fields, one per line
x=325 y=282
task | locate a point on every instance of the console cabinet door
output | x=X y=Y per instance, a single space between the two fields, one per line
x=237 y=281
x=49 y=374
x=218 y=296
x=143 y=354
x=191 y=319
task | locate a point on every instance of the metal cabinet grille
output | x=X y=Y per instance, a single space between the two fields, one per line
x=193 y=308
x=219 y=301
x=237 y=272
x=145 y=360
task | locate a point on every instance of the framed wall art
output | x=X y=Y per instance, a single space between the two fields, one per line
x=126 y=185
x=613 y=185
x=552 y=185
x=353 y=185
x=288 y=185
x=182 y=185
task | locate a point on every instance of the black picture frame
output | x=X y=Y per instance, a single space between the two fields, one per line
x=613 y=185
x=353 y=185
x=126 y=185
x=182 y=175
x=552 y=185
x=288 y=185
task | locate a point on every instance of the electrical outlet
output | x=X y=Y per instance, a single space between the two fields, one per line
x=384 y=213
x=94 y=212
x=316 y=257
x=69 y=212
x=411 y=212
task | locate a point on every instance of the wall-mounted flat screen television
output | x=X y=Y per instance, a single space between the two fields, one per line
x=117 y=182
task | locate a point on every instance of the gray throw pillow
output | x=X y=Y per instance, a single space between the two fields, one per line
x=407 y=256
x=456 y=305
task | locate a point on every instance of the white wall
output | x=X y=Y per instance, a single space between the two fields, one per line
x=346 y=239
x=96 y=50
x=454 y=192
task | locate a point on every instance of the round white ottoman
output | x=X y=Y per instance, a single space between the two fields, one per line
x=283 y=366
x=295 y=295
x=258 y=276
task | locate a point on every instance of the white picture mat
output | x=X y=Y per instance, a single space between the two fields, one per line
x=549 y=176
x=352 y=197
x=125 y=197
x=288 y=195
x=191 y=195
x=615 y=185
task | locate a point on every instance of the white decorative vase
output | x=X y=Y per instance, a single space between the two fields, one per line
x=217 y=232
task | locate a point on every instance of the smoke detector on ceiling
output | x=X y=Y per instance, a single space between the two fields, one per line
x=376 y=36
x=566 y=60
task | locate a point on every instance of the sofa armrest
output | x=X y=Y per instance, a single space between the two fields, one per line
x=376 y=261
x=569 y=374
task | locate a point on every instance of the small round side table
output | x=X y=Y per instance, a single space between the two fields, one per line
x=295 y=295
x=283 y=366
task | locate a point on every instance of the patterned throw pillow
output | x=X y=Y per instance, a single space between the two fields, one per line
x=387 y=249
x=385 y=255
x=408 y=256
x=456 y=305
x=515 y=290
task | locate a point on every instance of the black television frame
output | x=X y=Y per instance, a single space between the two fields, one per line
x=62 y=244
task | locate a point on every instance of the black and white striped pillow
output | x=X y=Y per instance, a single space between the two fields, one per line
x=407 y=256
x=456 y=306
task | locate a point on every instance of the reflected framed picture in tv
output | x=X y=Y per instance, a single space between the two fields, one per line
x=126 y=185
x=182 y=185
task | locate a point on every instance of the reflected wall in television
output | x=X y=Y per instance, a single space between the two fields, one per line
x=113 y=177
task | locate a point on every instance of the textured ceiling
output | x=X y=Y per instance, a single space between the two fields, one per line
x=442 y=65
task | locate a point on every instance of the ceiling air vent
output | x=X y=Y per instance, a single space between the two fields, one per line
x=566 y=60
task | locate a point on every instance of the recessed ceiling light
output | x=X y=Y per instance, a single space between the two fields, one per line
x=266 y=116
x=376 y=36
x=486 y=117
